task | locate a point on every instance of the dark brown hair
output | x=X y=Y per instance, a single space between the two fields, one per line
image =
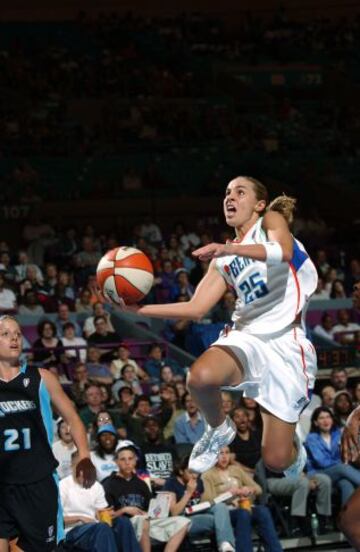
x=285 y=205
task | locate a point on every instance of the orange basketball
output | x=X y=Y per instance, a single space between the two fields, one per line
x=125 y=273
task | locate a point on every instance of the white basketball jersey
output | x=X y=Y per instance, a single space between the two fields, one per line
x=268 y=297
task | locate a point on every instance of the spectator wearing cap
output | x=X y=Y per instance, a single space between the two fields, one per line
x=63 y=449
x=106 y=417
x=103 y=457
x=190 y=426
x=130 y=496
x=83 y=526
x=159 y=457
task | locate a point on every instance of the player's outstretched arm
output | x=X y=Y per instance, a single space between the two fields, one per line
x=208 y=292
x=279 y=239
x=67 y=411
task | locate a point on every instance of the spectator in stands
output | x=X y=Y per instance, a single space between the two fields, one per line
x=98 y=371
x=299 y=489
x=345 y=328
x=247 y=443
x=7 y=269
x=170 y=400
x=182 y=285
x=64 y=317
x=342 y=408
x=126 y=400
x=330 y=278
x=130 y=496
x=337 y=290
x=7 y=296
x=181 y=389
x=88 y=257
x=48 y=348
x=339 y=379
x=104 y=338
x=69 y=339
x=227 y=477
x=81 y=508
x=123 y=354
x=167 y=375
x=128 y=379
x=159 y=457
x=105 y=417
x=83 y=303
x=155 y=362
x=80 y=383
x=142 y=408
x=321 y=293
x=63 y=449
x=321 y=262
x=165 y=281
x=223 y=311
x=325 y=329
x=356 y=394
x=353 y=275
x=103 y=456
x=93 y=399
x=89 y=325
x=150 y=231
x=51 y=278
x=323 y=448
x=327 y=395
x=228 y=402
x=31 y=305
x=187 y=491
x=253 y=411
x=177 y=255
x=189 y=426
x=63 y=291
x=22 y=266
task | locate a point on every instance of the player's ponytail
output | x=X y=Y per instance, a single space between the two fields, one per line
x=285 y=205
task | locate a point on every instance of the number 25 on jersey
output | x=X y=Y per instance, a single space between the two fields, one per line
x=253 y=288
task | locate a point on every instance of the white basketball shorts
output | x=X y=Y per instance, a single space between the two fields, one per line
x=279 y=369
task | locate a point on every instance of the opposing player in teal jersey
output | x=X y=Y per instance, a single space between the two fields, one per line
x=29 y=500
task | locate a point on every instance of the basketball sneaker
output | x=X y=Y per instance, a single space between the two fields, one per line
x=206 y=451
x=295 y=470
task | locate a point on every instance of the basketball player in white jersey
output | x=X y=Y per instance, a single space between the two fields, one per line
x=265 y=353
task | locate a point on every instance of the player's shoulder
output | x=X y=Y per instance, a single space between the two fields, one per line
x=272 y=219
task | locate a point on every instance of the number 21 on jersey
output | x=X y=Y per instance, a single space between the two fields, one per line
x=16 y=440
x=253 y=288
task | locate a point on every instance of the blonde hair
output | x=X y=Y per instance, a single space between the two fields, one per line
x=285 y=205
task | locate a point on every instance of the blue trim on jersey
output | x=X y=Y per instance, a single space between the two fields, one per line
x=46 y=411
x=60 y=531
x=299 y=256
x=23 y=367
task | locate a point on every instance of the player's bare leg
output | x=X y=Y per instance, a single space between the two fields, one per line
x=349 y=518
x=214 y=368
x=278 y=449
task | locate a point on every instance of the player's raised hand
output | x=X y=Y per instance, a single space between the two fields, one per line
x=212 y=251
x=350 y=439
